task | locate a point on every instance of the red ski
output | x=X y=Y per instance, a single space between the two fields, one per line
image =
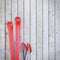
x=18 y=23
x=10 y=33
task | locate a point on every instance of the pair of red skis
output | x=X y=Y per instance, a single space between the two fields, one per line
x=27 y=47
x=10 y=32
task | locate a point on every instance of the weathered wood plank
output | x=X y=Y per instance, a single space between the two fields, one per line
x=51 y=30
x=14 y=14
x=39 y=30
x=8 y=18
x=45 y=29
x=20 y=14
x=0 y=23
x=1 y=33
x=48 y=27
x=26 y=20
x=57 y=29
x=27 y=24
x=33 y=29
x=3 y=29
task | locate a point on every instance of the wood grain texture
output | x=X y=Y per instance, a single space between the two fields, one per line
x=1 y=33
x=40 y=26
x=51 y=30
x=8 y=18
x=57 y=30
x=0 y=22
x=3 y=29
x=20 y=14
x=39 y=23
x=33 y=29
x=27 y=24
x=45 y=29
x=14 y=14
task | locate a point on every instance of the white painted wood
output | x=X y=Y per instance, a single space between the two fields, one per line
x=57 y=29
x=33 y=29
x=42 y=19
x=26 y=20
x=8 y=18
x=0 y=22
x=27 y=24
x=45 y=29
x=14 y=14
x=51 y=30
x=1 y=31
x=39 y=30
x=20 y=14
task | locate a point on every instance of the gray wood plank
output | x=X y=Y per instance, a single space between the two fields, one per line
x=49 y=25
x=45 y=29
x=57 y=29
x=51 y=31
x=39 y=30
x=1 y=31
x=33 y=29
x=8 y=18
x=14 y=14
x=20 y=14
x=0 y=22
x=26 y=20
x=27 y=24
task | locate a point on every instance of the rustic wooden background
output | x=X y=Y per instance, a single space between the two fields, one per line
x=40 y=26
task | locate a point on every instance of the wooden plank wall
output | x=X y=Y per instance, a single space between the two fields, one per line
x=40 y=26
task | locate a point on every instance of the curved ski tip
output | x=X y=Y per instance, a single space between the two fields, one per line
x=18 y=20
x=9 y=23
